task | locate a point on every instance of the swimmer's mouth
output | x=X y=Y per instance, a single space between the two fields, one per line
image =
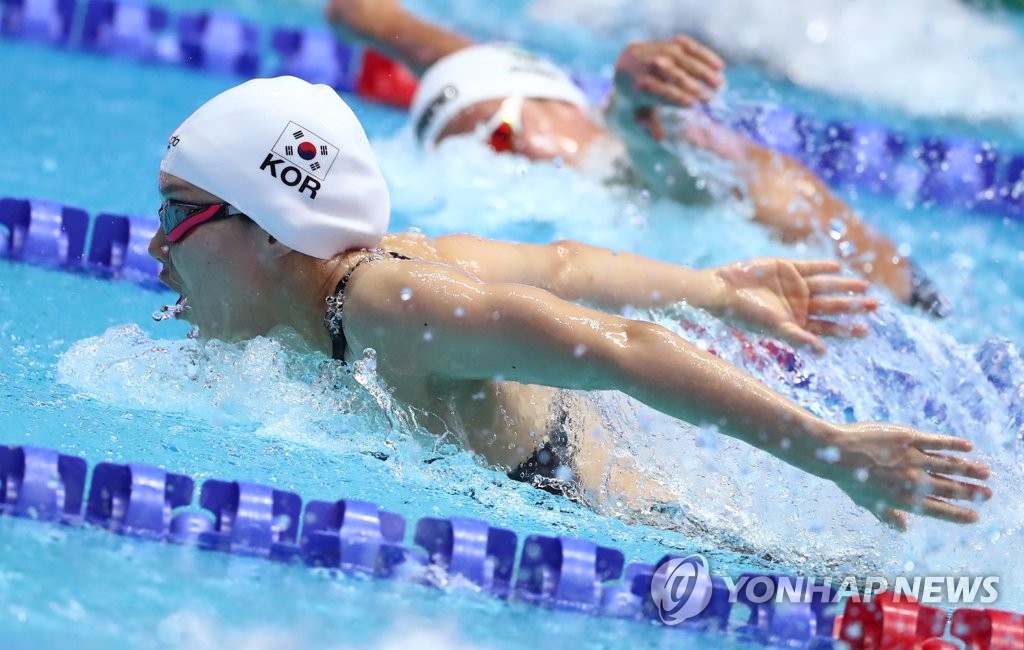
x=171 y=311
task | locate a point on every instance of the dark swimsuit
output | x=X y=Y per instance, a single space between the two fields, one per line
x=540 y=470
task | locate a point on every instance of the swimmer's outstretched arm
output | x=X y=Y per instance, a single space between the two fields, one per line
x=787 y=196
x=386 y=26
x=483 y=331
x=784 y=298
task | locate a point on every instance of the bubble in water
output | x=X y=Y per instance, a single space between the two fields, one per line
x=828 y=454
x=406 y=294
x=428 y=336
x=837 y=229
x=459 y=312
x=579 y=350
x=282 y=522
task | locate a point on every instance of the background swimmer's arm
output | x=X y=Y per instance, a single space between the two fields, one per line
x=787 y=196
x=779 y=297
x=481 y=331
x=386 y=26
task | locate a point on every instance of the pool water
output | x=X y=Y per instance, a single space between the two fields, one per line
x=84 y=369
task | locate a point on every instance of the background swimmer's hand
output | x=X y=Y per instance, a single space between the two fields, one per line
x=788 y=298
x=677 y=72
x=891 y=470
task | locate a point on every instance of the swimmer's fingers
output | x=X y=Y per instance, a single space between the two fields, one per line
x=834 y=329
x=959 y=490
x=797 y=335
x=666 y=69
x=821 y=284
x=940 y=442
x=953 y=466
x=700 y=51
x=894 y=518
x=697 y=61
x=668 y=91
x=839 y=305
x=946 y=511
x=808 y=268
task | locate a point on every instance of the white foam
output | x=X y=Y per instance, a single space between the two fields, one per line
x=929 y=57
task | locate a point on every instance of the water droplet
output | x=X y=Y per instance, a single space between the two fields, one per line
x=579 y=351
x=459 y=312
x=428 y=336
x=836 y=229
x=406 y=294
x=861 y=475
x=828 y=454
x=282 y=522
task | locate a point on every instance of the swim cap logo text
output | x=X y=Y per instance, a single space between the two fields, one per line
x=290 y=175
x=300 y=159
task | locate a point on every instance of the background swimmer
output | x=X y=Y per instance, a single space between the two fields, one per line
x=516 y=101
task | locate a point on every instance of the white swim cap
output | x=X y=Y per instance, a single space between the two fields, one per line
x=293 y=157
x=480 y=73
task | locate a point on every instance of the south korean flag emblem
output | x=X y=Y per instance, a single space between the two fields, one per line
x=306 y=150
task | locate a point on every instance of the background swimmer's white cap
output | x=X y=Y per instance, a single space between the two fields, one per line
x=480 y=73
x=293 y=157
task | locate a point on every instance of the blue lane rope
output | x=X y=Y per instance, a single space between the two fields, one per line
x=357 y=537
x=958 y=172
x=45 y=233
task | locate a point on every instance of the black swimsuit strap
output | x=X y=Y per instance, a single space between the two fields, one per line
x=332 y=319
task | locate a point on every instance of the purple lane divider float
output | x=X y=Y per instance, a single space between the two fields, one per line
x=125 y=28
x=316 y=55
x=958 y=171
x=786 y=608
x=251 y=519
x=352 y=535
x=43 y=21
x=470 y=548
x=219 y=41
x=559 y=572
x=565 y=573
x=1011 y=190
x=120 y=248
x=41 y=484
x=42 y=232
x=136 y=500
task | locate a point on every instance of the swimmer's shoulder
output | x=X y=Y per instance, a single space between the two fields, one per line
x=413 y=245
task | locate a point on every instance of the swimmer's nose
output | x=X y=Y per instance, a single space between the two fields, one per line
x=158 y=247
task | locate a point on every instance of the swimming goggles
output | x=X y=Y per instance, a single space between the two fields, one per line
x=178 y=219
x=505 y=124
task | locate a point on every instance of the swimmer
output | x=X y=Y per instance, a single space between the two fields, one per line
x=274 y=214
x=519 y=102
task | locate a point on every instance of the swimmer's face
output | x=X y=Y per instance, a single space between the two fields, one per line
x=219 y=268
x=550 y=128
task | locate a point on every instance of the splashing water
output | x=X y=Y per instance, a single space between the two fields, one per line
x=896 y=53
x=720 y=493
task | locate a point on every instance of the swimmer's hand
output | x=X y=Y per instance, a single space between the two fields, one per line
x=678 y=72
x=891 y=470
x=788 y=298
